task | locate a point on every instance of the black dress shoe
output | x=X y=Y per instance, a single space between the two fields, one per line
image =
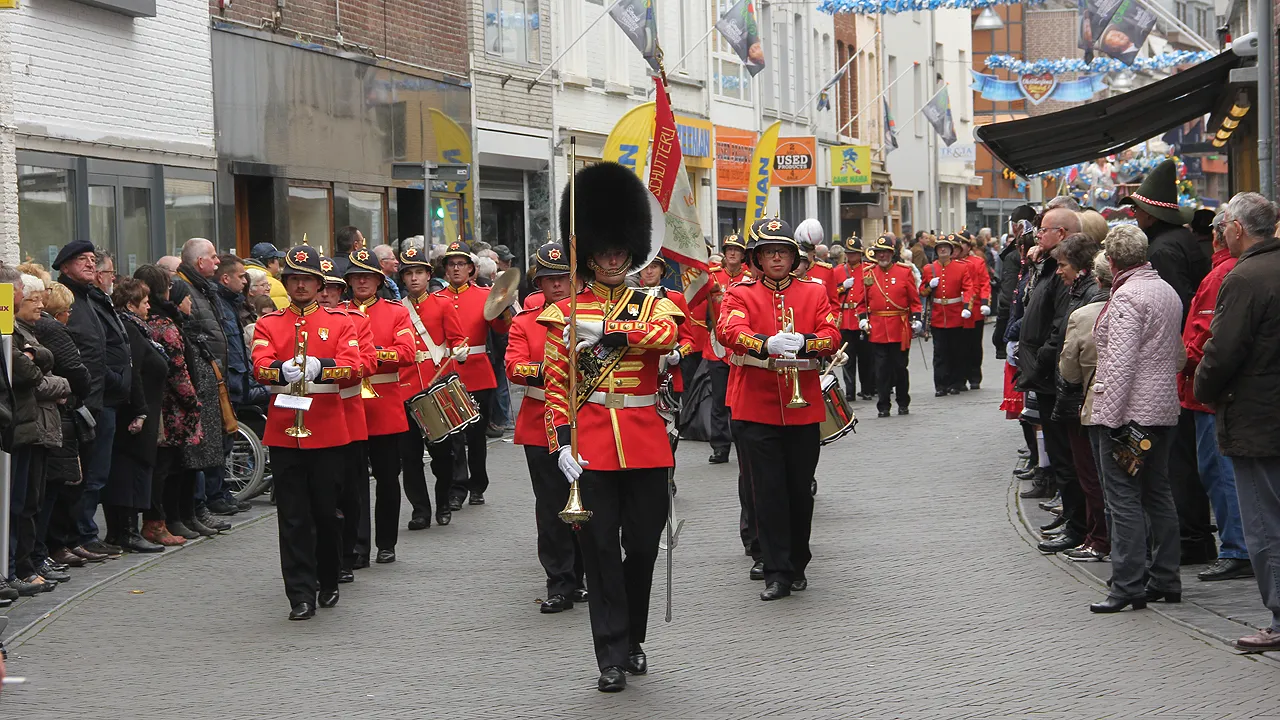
x=455 y=504
x=328 y=598
x=637 y=661
x=302 y=611
x=1065 y=541
x=1173 y=598
x=975 y=386
x=477 y=498
x=97 y=546
x=1227 y=569
x=47 y=572
x=580 y=595
x=813 y=488
x=1054 y=524
x=940 y=393
x=555 y=604
x=133 y=542
x=954 y=391
x=419 y=522
x=344 y=576
x=882 y=413
x=1036 y=491
x=612 y=679
x=775 y=591
x=362 y=561
x=719 y=458
x=903 y=411
x=1115 y=605
x=757 y=571
x=799 y=585
x=385 y=556
x=444 y=517
x=1027 y=474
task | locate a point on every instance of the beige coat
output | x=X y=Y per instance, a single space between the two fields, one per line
x=1079 y=357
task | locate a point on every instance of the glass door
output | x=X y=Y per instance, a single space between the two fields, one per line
x=135 y=227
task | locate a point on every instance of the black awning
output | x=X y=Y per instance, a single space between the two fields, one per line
x=1096 y=129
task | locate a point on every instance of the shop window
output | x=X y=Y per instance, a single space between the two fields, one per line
x=135 y=233
x=46 y=212
x=730 y=78
x=188 y=211
x=366 y=213
x=102 y=215
x=513 y=30
x=310 y=214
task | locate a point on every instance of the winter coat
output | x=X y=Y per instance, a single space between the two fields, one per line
x=103 y=347
x=205 y=323
x=236 y=371
x=1239 y=374
x=1173 y=252
x=134 y=454
x=28 y=373
x=179 y=407
x=67 y=362
x=1195 y=331
x=208 y=452
x=1040 y=337
x=51 y=389
x=1139 y=352
x=1010 y=269
x=1079 y=358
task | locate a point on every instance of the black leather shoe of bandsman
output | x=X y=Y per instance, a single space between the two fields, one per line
x=719 y=458
x=882 y=413
x=328 y=598
x=799 y=585
x=1172 y=598
x=385 y=556
x=637 y=661
x=775 y=591
x=302 y=611
x=940 y=393
x=612 y=679
x=1227 y=569
x=345 y=576
x=555 y=604
x=580 y=595
x=813 y=488
x=477 y=498
x=903 y=411
x=1115 y=605
x=419 y=522
x=444 y=517
x=757 y=571
x=1065 y=541
x=362 y=561
x=455 y=504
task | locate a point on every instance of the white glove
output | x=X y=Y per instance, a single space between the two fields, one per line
x=985 y=309
x=673 y=358
x=461 y=353
x=934 y=283
x=864 y=325
x=839 y=359
x=847 y=284
x=290 y=371
x=784 y=343
x=313 y=368
x=916 y=326
x=966 y=314
x=589 y=333
x=571 y=468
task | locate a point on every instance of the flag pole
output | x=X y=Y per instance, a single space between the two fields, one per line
x=805 y=105
x=576 y=40
x=926 y=103
x=914 y=65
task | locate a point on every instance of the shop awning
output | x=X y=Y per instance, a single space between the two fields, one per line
x=1090 y=131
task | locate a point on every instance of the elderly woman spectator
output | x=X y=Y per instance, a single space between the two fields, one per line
x=259 y=282
x=1076 y=367
x=1136 y=408
x=1094 y=225
x=128 y=491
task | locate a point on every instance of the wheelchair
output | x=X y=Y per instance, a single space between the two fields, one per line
x=248 y=464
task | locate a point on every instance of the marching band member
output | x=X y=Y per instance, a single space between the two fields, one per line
x=850 y=283
x=650 y=278
x=889 y=312
x=468 y=300
x=977 y=308
x=393 y=344
x=307 y=468
x=558 y=548
x=947 y=282
x=622 y=334
x=763 y=321
x=721 y=278
x=437 y=335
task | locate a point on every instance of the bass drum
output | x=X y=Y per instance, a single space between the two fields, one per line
x=443 y=409
x=840 y=420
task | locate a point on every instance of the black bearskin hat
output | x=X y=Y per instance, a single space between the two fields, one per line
x=613 y=211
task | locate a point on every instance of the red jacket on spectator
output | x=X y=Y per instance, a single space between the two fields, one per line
x=1196 y=332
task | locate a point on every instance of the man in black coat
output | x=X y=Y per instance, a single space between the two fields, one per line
x=1010 y=268
x=1239 y=377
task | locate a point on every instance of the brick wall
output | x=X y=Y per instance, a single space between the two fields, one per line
x=1051 y=34
x=432 y=33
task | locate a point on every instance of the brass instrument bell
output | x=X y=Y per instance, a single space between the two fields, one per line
x=299 y=388
x=574 y=513
x=793 y=374
x=366 y=390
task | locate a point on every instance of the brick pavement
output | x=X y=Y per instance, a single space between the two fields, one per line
x=925 y=602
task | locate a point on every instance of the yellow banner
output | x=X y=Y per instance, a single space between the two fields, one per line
x=453 y=145
x=850 y=165
x=761 y=170
x=628 y=142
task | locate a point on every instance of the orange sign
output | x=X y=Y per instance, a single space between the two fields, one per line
x=795 y=162
x=733 y=163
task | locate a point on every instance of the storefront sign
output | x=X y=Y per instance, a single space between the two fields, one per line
x=762 y=171
x=850 y=165
x=695 y=141
x=967 y=152
x=733 y=162
x=6 y=309
x=795 y=162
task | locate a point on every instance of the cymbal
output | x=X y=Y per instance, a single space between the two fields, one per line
x=505 y=288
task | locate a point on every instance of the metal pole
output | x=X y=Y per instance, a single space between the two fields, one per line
x=691 y=49
x=852 y=57
x=877 y=97
x=926 y=103
x=1263 y=24
x=569 y=47
x=6 y=346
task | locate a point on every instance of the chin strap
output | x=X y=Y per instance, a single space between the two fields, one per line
x=601 y=272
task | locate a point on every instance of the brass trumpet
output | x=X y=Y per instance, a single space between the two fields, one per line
x=793 y=374
x=573 y=513
x=366 y=390
x=299 y=388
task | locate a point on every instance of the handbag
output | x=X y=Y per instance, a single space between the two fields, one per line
x=229 y=422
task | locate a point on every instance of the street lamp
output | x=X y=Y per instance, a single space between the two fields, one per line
x=988 y=19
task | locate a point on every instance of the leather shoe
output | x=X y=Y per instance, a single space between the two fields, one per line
x=222 y=507
x=719 y=458
x=1227 y=569
x=799 y=585
x=302 y=611
x=344 y=576
x=362 y=561
x=133 y=542
x=580 y=595
x=419 y=522
x=612 y=679
x=903 y=411
x=1036 y=490
x=47 y=572
x=555 y=604
x=444 y=517
x=328 y=598
x=1171 y=598
x=87 y=555
x=1065 y=541
x=637 y=661
x=813 y=487
x=243 y=505
x=1027 y=474
x=1115 y=604
x=455 y=504
x=477 y=498
x=757 y=571
x=177 y=527
x=64 y=556
x=385 y=556
x=1262 y=641
x=940 y=393
x=882 y=414
x=775 y=591
x=1054 y=524
x=101 y=548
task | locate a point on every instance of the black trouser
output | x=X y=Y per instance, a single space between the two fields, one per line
x=558 y=548
x=1195 y=530
x=861 y=365
x=24 y=549
x=412 y=446
x=306 y=485
x=972 y=368
x=633 y=502
x=163 y=474
x=891 y=374
x=475 y=449
x=948 y=358
x=747 y=513
x=718 y=435
x=1057 y=442
x=354 y=503
x=384 y=458
x=781 y=461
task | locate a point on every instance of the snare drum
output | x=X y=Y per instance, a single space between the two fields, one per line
x=840 y=420
x=443 y=409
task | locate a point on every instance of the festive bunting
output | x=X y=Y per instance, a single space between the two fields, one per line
x=1036 y=88
x=1163 y=61
x=893 y=7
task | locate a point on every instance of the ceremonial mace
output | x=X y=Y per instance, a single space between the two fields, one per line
x=573 y=513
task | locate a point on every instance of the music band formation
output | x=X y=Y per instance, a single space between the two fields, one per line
x=367 y=385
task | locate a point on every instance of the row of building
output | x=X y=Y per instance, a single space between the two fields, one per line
x=140 y=123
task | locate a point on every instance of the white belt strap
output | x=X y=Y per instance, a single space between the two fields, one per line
x=535 y=393
x=947 y=301
x=437 y=353
x=617 y=401
x=477 y=350
x=312 y=389
x=383 y=378
x=349 y=392
x=748 y=361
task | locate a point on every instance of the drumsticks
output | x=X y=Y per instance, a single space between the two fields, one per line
x=832 y=366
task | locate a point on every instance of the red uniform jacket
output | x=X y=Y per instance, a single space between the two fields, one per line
x=823 y=272
x=468 y=301
x=890 y=303
x=685 y=341
x=639 y=329
x=352 y=404
x=440 y=321
x=1196 y=332
x=330 y=338
x=393 y=349
x=752 y=313
x=534 y=301
x=525 y=348
x=953 y=294
x=721 y=281
x=847 y=300
x=980 y=289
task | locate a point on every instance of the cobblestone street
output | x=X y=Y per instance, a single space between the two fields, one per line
x=926 y=601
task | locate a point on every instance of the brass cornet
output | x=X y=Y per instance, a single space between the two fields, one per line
x=366 y=390
x=299 y=388
x=793 y=373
